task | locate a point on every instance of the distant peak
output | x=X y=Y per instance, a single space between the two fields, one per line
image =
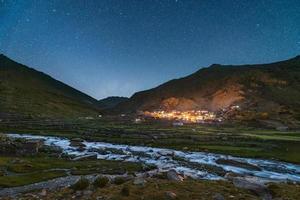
x=215 y=65
x=3 y=56
x=297 y=57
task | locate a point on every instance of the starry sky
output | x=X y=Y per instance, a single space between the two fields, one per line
x=117 y=47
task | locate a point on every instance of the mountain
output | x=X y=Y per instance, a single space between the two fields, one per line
x=25 y=91
x=111 y=102
x=262 y=91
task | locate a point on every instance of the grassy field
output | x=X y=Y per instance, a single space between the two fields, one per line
x=15 y=171
x=158 y=189
x=233 y=140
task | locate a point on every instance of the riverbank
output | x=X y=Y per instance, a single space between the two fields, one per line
x=197 y=165
x=235 y=140
x=151 y=173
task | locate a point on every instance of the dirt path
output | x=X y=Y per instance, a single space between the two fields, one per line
x=49 y=185
x=59 y=183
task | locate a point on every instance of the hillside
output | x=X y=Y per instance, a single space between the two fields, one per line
x=111 y=102
x=25 y=91
x=267 y=91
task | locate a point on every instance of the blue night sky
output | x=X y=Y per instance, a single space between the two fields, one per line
x=118 y=47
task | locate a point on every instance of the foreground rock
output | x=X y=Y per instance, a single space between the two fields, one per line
x=86 y=157
x=171 y=195
x=50 y=185
x=139 y=181
x=21 y=147
x=254 y=186
x=78 y=143
x=218 y=197
x=174 y=176
x=238 y=164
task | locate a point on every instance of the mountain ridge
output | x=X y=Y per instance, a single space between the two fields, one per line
x=31 y=92
x=257 y=88
x=111 y=101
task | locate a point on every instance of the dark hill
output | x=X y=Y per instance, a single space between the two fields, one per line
x=111 y=102
x=271 y=90
x=25 y=91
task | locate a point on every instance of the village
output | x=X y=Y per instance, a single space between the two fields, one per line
x=180 y=117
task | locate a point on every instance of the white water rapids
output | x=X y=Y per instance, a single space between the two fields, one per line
x=186 y=163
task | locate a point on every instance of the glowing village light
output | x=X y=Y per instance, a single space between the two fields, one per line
x=186 y=116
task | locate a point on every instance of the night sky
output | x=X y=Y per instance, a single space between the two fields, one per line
x=117 y=47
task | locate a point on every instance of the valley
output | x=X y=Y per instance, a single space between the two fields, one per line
x=266 y=144
x=233 y=139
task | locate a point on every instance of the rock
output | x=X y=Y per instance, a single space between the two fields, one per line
x=18 y=161
x=100 y=198
x=139 y=181
x=77 y=142
x=282 y=128
x=31 y=196
x=166 y=153
x=87 y=193
x=230 y=175
x=254 y=186
x=101 y=151
x=172 y=175
x=185 y=148
x=218 y=196
x=171 y=195
x=78 y=193
x=2 y=173
x=86 y=157
x=30 y=147
x=238 y=164
x=43 y=192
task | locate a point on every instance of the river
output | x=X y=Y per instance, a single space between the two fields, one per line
x=197 y=165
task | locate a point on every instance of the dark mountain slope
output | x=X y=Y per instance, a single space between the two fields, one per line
x=25 y=91
x=111 y=102
x=272 y=88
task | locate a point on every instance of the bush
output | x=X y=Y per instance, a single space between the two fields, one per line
x=81 y=184
x=119 y=180
x=125 y=190
x=101 y=181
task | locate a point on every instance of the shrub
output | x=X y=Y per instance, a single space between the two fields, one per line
x=101 y=181
x=119 y=180
x=81 y=184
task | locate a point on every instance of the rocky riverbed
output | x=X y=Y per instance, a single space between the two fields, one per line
x=197 y=165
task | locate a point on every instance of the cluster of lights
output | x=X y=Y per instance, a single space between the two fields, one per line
x=192 y=116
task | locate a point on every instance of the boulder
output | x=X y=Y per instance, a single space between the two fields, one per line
x=77 y=142
x=166 y=153
x=43 y=193
x=139 y=181
x=282 y=128
x=86 y=157
x=30 y=147
x=254 y=186
x=238 y=164
x=172 y=175
x=171 y=195
x=218 y=196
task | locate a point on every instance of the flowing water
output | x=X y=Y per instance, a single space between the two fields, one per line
x=198 y=165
